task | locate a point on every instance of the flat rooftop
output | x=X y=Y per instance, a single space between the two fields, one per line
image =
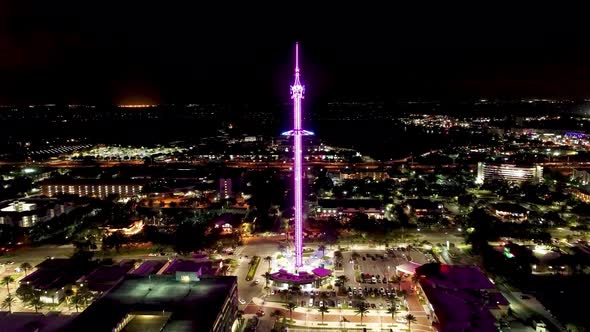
x=366 y=203
x=461 y=296
x=191 y=306
x=28 y=321
x=54 y=274
x=106 y=276
x=149 y=267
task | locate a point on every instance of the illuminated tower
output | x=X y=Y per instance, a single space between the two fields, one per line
x=297 y=91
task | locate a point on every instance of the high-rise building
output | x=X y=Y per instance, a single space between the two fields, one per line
x=509 y=172
x=225 y=188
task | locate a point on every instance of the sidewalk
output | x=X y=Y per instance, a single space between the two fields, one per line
x=374 y=320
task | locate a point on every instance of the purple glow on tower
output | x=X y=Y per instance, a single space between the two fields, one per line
x=297 y=94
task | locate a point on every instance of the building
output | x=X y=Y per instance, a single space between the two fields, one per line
x=92 y=187
x=337 y=208
x=582 y=176
x=460 y=298
x=105 y=277
x=52 y=276
x=31 y=321
x=225 y=188
x=424 y=207
x=227 y=222
x=378 y=175
x=134 y=227
x=30 y=211
x=149 y=267
x=510 y=212
x=581 y=193
x=508 y=172
x=163 y=303
x=198 y=267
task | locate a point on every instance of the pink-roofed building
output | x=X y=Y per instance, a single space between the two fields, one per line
x=461 y=298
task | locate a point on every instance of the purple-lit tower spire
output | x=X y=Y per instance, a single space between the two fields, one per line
x=297 y=91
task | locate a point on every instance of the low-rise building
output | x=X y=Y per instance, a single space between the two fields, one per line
x=580 y=193
x=327 y=208
x=460 y=298
x=424 y=207
x=52 y=276
x=29 y=211
x=377 y=175
x=163 y=303
x=105 y=277
x=100 y=188
x=134 y=227
x=227 y=222
x=581 y=176
x=510 y=212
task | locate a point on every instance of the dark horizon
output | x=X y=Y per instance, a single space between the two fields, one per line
x=67 y=53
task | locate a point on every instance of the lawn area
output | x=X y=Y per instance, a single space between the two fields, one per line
x=253 y=267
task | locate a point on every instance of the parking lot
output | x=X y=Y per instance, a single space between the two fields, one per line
x=378 y=267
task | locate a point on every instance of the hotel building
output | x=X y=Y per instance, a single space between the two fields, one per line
x=92 y=187
x=509 y=172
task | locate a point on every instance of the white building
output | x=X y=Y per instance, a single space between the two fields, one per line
x=509 y=172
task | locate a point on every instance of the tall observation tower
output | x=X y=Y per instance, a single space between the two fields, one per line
x=297 y=91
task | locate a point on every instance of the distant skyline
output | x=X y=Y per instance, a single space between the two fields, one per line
x=146 y=53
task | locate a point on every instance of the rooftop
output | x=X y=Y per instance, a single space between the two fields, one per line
x=423 y=204
x=105 y=277
x=509 y=207
x=190 y=306
x=187 y=265
x=149 y=267
x=25 y=322
x=461 y=297
x=350 y=203
x=54 y=274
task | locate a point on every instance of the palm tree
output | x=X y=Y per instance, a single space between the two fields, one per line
x=291 y=306
x=36 y=303
x=8 y=302
x=411 y=319
x=25 y=293
x=323 y=309
x=392 y=311
x=322 y=248
x=324 y=296
x=343 y=280
x=26 y=267
x=68 y=293
x=362 y=310
x=266 y=277
x=240 y=317
x=276 y=314
x=269 y=260
x=7 y=281
x=397 y=280
x=84 y=294
x=355 y=255
x=391 y=300
x=403 y=293
x=77 y=301
x=415 y=278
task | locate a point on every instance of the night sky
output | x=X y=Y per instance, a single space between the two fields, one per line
x=101 y=52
